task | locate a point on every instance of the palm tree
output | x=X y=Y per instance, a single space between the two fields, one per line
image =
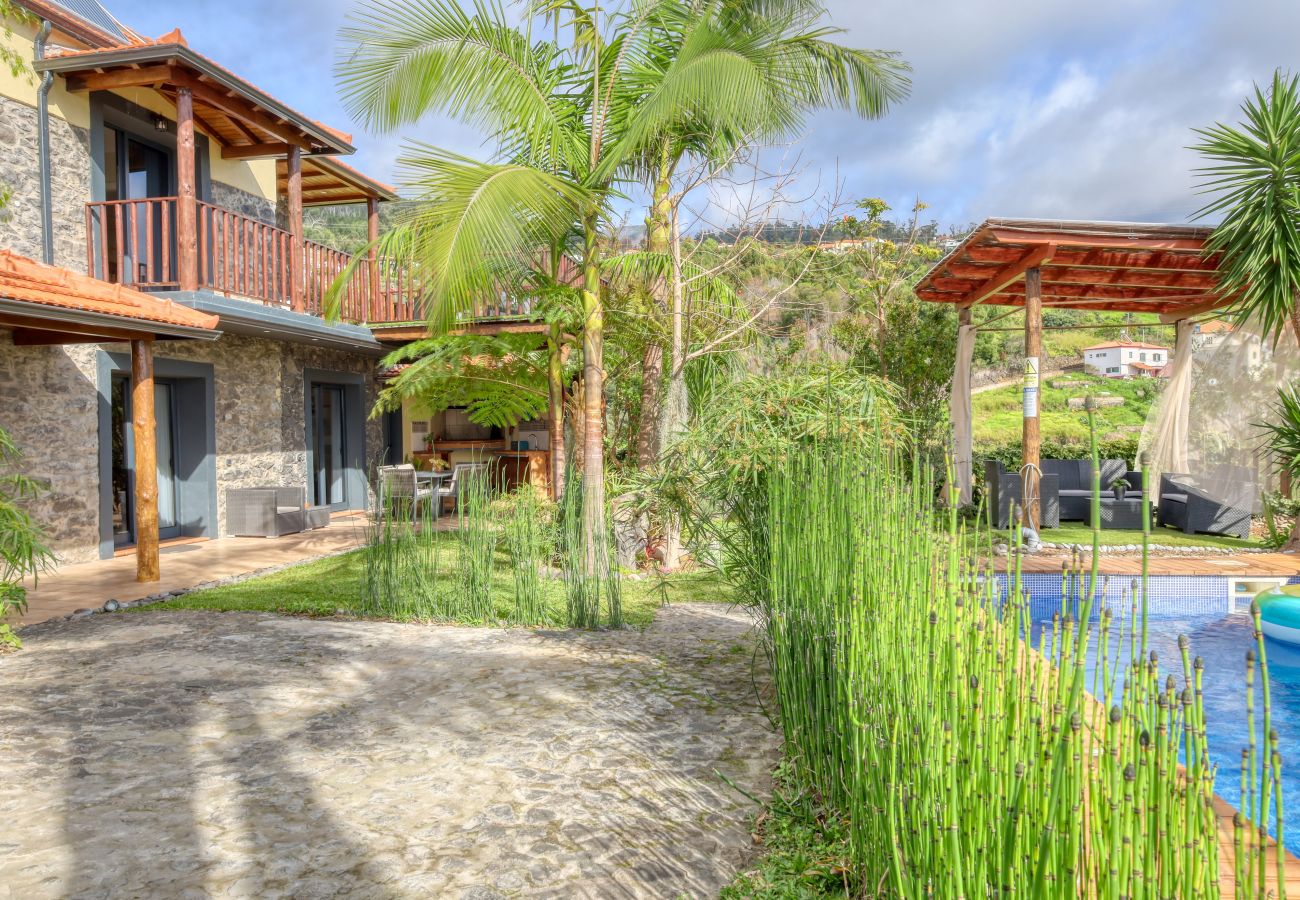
x=804 y=70
x=1256 y=177
x=568 y=124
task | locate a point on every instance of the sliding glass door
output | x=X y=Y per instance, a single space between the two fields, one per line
x=329 y=476
x=123 y=461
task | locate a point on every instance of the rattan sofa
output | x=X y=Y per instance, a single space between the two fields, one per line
x=1074 y=481
x=265 y=511
x=1219 y=506
x=1003 y=493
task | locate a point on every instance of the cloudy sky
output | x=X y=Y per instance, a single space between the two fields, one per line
x=1018 y=107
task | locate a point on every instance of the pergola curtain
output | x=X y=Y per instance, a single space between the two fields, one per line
x=1166 y=440
x=959 y=409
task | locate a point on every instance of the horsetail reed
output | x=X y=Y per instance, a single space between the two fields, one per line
x=528 y=540
x=401 y=577
x=959 y=742
x=478 y=545
x=590 y=579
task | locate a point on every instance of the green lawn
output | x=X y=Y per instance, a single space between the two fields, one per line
x=996 y=414
x=333 y=587
x=1077 y=533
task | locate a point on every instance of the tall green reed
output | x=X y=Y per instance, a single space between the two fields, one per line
x=478 y=534
x=400 y=564
x=529 y=542
x=968 y=758
x=587 y=587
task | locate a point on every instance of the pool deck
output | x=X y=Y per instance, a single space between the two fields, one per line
x=1221 y=564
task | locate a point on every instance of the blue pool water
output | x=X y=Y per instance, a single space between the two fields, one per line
x=1220 y=632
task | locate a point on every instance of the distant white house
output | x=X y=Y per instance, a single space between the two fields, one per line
x=1125 y=359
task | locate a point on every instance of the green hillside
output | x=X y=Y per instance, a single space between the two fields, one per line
x=997 y=413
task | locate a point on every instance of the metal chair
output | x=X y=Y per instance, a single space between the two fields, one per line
x=400 y=491
x=454 y=486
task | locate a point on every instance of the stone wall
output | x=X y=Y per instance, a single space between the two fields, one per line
x=20 y=222
x=244 y=203
x=49 y=405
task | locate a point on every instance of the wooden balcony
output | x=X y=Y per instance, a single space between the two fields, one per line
x=136 y=243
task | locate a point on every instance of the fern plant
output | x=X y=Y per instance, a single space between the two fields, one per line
x=23 y=548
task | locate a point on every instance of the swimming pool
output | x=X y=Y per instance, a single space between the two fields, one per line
x=1219 y=628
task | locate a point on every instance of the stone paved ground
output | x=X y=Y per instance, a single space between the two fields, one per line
x=195 y=754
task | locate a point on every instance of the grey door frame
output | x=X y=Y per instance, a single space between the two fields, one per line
x=195 y=447
x=355 y=482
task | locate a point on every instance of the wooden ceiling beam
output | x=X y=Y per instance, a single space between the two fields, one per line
x=1010 y=272
x=1131 y=277
x=254 y=151
x=147 y=76
x=1150 y=260
x=989 y=253
x=29 y=331
x=236 y=108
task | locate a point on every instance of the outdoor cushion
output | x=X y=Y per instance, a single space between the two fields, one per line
x=1177 y=498
x=285 y=509
x=1075 y=492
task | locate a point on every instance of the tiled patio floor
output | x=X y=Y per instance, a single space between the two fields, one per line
x=184 y=565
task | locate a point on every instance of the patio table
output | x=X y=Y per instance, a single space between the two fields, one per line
x=435 y=481
x=1122 y=514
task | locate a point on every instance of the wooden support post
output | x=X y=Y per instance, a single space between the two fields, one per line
x=294 y=199
x=187 y=214
x=1030 y=438
x=145 y=440
x=372 y=235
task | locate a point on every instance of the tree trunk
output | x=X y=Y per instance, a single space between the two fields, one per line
x=555 y=410
x=648 y=441
x=647 y=432
x=676 y=404
x=593 y=447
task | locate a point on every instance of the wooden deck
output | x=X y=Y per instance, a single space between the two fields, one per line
x=1265 y=564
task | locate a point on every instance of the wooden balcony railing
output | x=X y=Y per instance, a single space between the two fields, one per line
x=134 y=242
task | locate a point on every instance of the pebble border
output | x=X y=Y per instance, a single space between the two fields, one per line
x=1121 y=549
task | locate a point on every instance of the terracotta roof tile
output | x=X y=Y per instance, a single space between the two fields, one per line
x=36 y=283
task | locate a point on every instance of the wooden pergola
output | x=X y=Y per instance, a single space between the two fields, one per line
x=1100 y=266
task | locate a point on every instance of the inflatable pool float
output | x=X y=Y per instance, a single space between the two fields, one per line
x=1279 y=613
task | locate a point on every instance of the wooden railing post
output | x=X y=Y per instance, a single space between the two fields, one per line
x=372 y=235
x=187 y=248
x=145 y=435
x=294 y=199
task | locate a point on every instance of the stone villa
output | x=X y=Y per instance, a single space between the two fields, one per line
x=141 y=164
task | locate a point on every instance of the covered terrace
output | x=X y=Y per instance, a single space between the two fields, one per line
x=1034 y=264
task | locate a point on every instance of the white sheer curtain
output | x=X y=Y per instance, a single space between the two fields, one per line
x=1164 y=436
x=1207 y=421
x=959 y=410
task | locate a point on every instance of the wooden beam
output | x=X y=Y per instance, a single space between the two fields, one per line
x=240 y=109
x=254 y=151
x=372 y=260
x=147 y=76
x=187 y=216
x=293 y=196
x=1108 y=241
x=1009 y=273
x=1030 y=440
x=42 y=337
x=145 y=438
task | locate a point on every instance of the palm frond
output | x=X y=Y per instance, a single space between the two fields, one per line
x=401 y=61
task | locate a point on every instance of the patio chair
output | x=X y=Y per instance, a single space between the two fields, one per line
x=400 y=491
x=1206 y=506
x=265 y=511
x=454 y=486
x=1003 y=495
